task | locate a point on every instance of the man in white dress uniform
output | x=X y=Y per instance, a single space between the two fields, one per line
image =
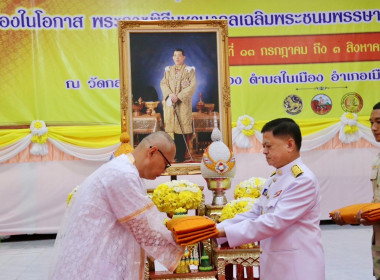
x=285 y=219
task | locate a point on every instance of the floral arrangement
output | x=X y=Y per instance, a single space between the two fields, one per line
x=252 y=188
x=236 y=206
x=242 y=130
x=246 y=193
x=349 y=131
x=39 y=137
x=171 y=196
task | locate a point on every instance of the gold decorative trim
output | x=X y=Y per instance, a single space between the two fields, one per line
x=227 y=96
x=183 y=169
x=124 y=24
x=136 y=213
x=220 y=27
x=187 y=278
x=172 y=23
x=142 y=264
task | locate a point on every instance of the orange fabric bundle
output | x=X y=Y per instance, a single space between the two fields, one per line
x=370 y=212
x=196 y=237
x=189 y=224
x=193 y=229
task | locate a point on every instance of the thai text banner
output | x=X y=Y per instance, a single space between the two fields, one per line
x=309 y=60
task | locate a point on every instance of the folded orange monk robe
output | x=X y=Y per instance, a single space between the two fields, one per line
x=190 y=234
x=189 y=224
x=371 y=212
x=193 y=229
x=196 y=238
x=348 y=213
x=196 y=235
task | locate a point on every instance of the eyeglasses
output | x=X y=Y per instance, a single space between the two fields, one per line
x=168 y=162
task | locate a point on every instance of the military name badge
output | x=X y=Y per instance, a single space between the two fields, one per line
x=277 y=194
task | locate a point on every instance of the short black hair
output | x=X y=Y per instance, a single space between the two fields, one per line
x=377 y=106
x=284 y=127
x=180 y=50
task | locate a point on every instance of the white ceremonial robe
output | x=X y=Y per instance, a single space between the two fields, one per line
x=108 y=227
x=286 y=222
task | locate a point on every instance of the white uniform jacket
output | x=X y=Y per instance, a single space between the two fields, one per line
x=285 y=220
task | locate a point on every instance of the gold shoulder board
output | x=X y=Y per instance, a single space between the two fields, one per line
x=297 y=171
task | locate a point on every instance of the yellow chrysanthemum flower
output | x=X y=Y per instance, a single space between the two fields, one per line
x=177 y=195
x=249 y=188
x=235 y=207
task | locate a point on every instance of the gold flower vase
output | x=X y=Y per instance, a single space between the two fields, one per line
x=218 y=186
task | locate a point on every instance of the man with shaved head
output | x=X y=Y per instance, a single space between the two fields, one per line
x=110 y=223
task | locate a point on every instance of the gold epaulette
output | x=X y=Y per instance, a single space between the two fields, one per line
x=297 y=171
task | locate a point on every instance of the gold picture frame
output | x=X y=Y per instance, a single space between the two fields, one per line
x=144 y=48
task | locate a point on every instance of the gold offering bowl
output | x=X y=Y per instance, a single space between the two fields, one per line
x=200 y=107
x=218 y=186
x=208 y=108
x=151 y=105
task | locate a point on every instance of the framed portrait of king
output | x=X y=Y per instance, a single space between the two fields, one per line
x=174 y=76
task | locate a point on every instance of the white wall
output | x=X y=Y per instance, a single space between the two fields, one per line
x=33 y=194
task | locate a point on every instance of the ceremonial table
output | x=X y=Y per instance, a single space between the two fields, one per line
x=224 y=257
x=248 y=258
x=207 y=275
x=203 y=122
x=146 y=124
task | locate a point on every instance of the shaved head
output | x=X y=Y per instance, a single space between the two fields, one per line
x=160 y=139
